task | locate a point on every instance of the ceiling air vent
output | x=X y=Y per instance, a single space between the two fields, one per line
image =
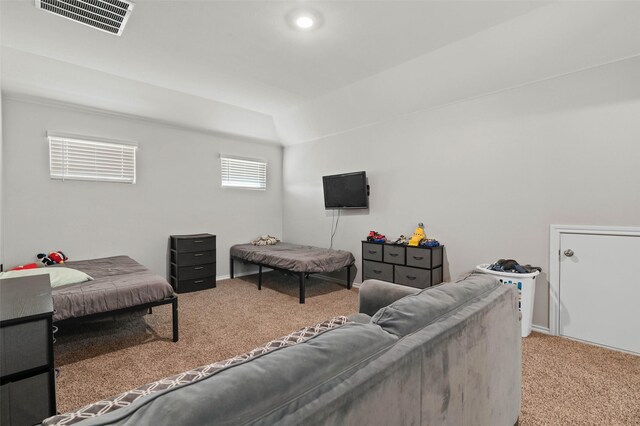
x=105 y=15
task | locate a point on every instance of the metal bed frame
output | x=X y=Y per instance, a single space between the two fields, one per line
x=301 y=275
x=173 y=300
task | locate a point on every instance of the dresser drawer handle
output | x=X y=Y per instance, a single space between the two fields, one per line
x=393 y=254
x=199 y=254
x=411 y=278
x=198 y=282
x=372 y=252
x=377 y=271
x=197 y=268
x=197 y=241
x=418 y=257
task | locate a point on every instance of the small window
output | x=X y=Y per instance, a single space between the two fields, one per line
x=82 y=158
x=243 y=173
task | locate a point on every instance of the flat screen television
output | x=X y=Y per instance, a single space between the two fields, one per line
x=346 y=191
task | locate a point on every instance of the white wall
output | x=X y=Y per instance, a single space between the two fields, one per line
x=1 y=184
x=487 y=176
x=37 y=76
x=177 y=191
x=1 y=168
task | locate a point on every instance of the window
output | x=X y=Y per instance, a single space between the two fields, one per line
x=243 y=173
x=81 y=158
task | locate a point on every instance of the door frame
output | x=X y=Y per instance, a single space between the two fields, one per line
x=555 y=233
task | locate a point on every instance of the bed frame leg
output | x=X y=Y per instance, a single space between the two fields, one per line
x=231 y=267
x=349 y=277
x=150 y=310
x=259 y=277
x=174 y=310
x=302 y=287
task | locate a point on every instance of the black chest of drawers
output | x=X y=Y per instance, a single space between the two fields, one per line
x=419 y=267
x=193 y=262
x=27 y=383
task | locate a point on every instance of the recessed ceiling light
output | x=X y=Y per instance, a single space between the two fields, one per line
x=304 y=22
x=304 y=19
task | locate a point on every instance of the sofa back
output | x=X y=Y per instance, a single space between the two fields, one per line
x=448 y=355
x=461 y=368
x=269 y=389
x=418 y=310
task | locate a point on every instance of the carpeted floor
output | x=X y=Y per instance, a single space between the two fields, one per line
x=571 y=383
x=564 y=382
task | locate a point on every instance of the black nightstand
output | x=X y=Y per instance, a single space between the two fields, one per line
x=27 y=383
x=193 y=262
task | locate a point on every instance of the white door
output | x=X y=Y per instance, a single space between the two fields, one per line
x=600 y=289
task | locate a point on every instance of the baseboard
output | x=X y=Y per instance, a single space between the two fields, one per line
x=540 y=329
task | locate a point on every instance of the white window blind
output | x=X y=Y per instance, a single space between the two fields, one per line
x=243 y=173
x=81 y=158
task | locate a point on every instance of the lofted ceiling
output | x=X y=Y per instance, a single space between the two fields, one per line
x=244 y=53
x=237 y=67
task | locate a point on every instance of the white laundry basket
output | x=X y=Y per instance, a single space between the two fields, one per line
x=526 y=285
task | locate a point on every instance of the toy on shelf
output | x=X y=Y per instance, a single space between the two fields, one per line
x=376 y=237
x=418 y=236
x=53 y=258
x=429 y=242
x=402 y=240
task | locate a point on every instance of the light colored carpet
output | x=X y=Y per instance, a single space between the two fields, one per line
x=104 y=359
x=564 y=382
x=571 y=383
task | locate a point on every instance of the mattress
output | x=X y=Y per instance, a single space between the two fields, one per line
x=294 y=257
x=118 y=282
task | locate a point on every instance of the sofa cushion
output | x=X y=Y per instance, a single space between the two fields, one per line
x=270 y=389
x=129 y=397
x=416 y=311
x=360 y=318
x=376 y=294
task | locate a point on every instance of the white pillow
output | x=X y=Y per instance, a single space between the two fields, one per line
x=59 y=276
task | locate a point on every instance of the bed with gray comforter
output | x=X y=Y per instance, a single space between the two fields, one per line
x=119 y=284
x=298 y=259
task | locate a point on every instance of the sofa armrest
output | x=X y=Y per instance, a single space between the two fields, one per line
x=375 y=294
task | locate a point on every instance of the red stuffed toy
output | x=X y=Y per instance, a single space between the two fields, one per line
x=53 y=258
x=27 y=266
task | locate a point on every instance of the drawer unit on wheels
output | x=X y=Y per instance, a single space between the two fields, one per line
x=27 y=383
x=419 y=267
x=193 y=262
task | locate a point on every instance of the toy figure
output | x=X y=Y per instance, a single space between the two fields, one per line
x=53 y=258
x=418 y=236
x=402 y=240
x=376 y=237
x=429 y=242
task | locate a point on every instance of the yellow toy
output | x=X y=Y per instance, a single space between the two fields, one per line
x=418 y=236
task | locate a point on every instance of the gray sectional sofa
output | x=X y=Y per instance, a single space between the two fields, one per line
x=448 y=355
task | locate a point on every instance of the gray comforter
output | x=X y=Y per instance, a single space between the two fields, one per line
x=118 y=282
x=294 y=257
